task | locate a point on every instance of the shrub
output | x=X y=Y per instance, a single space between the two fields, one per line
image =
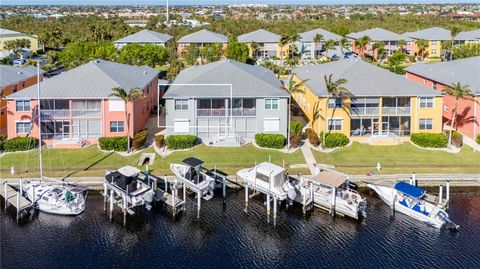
x=295 y=141
x=181 y=141
x=159 y=140
x=430 y=140
x=139 y=139
x=312 y=137
x=113 y=143
x=457 y=139
x=334 y=140
x=20 y=144
x=275 y=141
x=478 y=139
x=3 y=139
x=296 y=128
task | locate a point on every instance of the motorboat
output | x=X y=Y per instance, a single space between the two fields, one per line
x=414 y=202
x=55 y=198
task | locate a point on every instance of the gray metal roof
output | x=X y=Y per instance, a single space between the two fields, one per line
x=94 y=79
x=246 y=80
x=7 y=32
x=377 y=34
x=259 y=36
x=145 y=36
x=326 y=35
x=468 y=35
x=12 y=74
x=465 y=71
x=203 y=36
x=364 y=79
x=434 y=33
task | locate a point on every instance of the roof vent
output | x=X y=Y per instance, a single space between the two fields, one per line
x=20 y=72
x=96 y=61
x=145 y=72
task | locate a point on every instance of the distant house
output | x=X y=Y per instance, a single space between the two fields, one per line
x=440 y=75
x=8 y=35
x=199 y=39
x=136 y=23
x=307 y=46
x=226 y=99
x=390 y=39
x=75 y=105
x=434 y=36
x=267 y=42
x=468 y=37
x=383 y=107
x=143 y=37
x=12 y=80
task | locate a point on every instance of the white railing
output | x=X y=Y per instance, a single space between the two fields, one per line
x=236 y=112
x=86 y=113
x=364 y=110
x=396 y=110
x=52 y=113
x=209 y=112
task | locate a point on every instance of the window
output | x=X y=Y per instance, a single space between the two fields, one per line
x=335 y=124
x=434 y=52
x=22 y=105
x=425 y=81
x=23 y=84
x=335 y=103
x=117 y=126
x=181 y=104
x=445 y=108
x=434 y=85
x=426 y=124
x=426 y=102
x=23 y=127
x=271 y=104
x=433 y=43
x=14 y=88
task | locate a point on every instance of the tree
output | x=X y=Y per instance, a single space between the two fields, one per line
x=284 y=40
x=344 y=45
x=317 y=39
x=191 y=55
x=175 y=67
x=422 y=45
x=294 y=86
x=237 y=51
x=127 y=97
x=395 y=62
x=254 y=47
x=335 y=89
x=458 y=91
x=466 y=51
x=292 y=40
x=329 y=44
x=362 y=43
x=402 y=43
x=211 y=52
x=454 y=32
x=379 y=47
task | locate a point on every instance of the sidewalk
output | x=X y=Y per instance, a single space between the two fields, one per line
x=309 y=158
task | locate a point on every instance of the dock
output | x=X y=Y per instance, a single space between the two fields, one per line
x=14 y=197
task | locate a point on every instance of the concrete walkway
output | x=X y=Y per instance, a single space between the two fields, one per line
x=309 y=158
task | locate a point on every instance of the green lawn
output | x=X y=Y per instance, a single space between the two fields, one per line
x=92 y=162
x=404 y=159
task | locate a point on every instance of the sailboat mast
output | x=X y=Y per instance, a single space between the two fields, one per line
x=39 y=122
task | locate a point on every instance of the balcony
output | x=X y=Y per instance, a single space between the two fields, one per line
x=396 y=110
x=52 y=113
x=86 y=113
x=243 y=112
x=362 y=111
x=220 y=112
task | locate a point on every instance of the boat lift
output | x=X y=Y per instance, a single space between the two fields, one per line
x=14 y=196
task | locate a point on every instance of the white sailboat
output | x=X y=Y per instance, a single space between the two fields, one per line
x=57 y=198
x=414 y=202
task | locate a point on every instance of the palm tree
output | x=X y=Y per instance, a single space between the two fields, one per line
x=343 y=44
x=362 y=43
x=422 y=44
x=458 y=91
x=254 y=47
x=317 y=39
x=292 y=40
x=284 y=39
x=335 y=89
x=295 y=87
x=402 y=43
x=454 y=32
x=328 y=45
x=378 y=47
x=127 y=97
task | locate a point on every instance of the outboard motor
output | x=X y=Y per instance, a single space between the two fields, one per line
x=148 y=198
x=448 y=224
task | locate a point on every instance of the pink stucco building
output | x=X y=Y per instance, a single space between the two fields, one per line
x=200 y=39
x=76 y=108
x=390 y=40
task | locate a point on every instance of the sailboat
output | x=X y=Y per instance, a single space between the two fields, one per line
x=59 y=198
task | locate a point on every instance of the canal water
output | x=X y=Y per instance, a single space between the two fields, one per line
x=226 y=237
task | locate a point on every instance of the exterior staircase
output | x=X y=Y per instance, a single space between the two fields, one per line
x=226 y=141
x=384 y=140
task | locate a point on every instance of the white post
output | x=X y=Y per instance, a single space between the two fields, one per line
x=125 y=201
x=111 y=203
x=174 y=194
x=332 y=201
x=18 y=204
x=268 y=206
x=274 y=210
x=448 y=192
x=5 y=192
x=440 y=194
x=21 y=187
x=246 y=198
x=105 y=196
x=392 y=206
x=199 y=201
x=414 y=179
x=184 y=189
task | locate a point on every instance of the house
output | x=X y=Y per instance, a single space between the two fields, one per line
x=307 y=46
x=76 y=107
x=12 y=80
x=383 y=107
x=226 y=99
x=199 y=39
x=143 y=37
x=390 y=39
x=268 y=46
x=434 y=36
x=136 y=23
x=440 y=75
x=468 y=37
x=9 y=35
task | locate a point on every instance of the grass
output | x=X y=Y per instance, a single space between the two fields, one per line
x=92 y=162
x=401 y=159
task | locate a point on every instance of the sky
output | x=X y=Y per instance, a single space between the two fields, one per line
x=217 y=2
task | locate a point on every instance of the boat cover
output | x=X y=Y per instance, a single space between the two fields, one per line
x=330 y=178
x=409 y=190
x=193 y=162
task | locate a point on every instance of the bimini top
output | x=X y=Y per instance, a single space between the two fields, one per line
x=268 y=169
x=193 y=162
x=409 y=190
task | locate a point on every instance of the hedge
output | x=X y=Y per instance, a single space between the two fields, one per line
x=478 y=139
x=181 y=141
x=274 y=141
x=296 y=128
x=334 y=140
x=139 y=139
x=3 y=139
x=312 y=137
x=295 y=141
x=457 y=139
x=113 y=143
x=430 y=140
x=20 y=144
x=159 y=140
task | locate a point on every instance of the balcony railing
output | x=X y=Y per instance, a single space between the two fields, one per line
x=51 y=113
x=236 y=112
x=396 y=110
x=86 y=113
x=364 y=111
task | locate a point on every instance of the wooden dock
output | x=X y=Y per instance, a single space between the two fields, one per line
x=14 y=197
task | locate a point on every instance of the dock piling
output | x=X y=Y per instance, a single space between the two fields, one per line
x=268 y=207
x=447 y=193
x=274 y=210
x=111 y=204
x=333 y=200
x=440 y=194
x=246 y=198
x=199 y=201
x=5 y=192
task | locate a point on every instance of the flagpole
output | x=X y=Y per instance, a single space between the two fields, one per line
x=39 y=122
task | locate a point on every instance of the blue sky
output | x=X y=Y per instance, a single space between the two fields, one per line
x=211 y=2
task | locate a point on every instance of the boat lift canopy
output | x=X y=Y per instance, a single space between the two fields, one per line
x=193 y=162
x=330 y=178
x=409 y=190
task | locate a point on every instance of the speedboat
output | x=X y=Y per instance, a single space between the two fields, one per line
x=195 y=176
x=414 y=202
x=55 y=199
